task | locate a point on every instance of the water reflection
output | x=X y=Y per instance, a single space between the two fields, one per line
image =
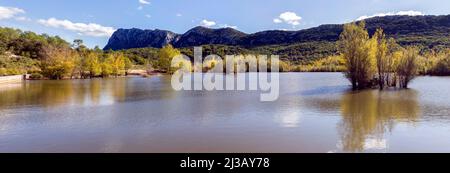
x=68 y=92
x=289 y=118
x=368 y=115
x=315 y=113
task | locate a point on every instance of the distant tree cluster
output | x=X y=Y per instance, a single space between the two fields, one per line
x=51 y=57
x=329 y=64
x=435 y=63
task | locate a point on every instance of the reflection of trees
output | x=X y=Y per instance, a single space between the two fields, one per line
x=46 y=93
x=372 y=113
x=95 y=88
x=117 y=88
x=55 y=93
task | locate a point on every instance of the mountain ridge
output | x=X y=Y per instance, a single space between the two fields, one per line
x=394 y=26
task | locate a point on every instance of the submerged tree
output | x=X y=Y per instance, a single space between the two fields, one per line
x=392 y=47
x=380 y=51
x=354 y=48
x=406 y=69
x=376 y=61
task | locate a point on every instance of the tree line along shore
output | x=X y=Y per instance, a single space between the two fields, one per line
x=366 y=60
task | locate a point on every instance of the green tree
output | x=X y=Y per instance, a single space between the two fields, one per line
x=7 y=35
x=78 y=45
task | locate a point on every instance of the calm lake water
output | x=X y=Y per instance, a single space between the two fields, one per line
x=316 y=112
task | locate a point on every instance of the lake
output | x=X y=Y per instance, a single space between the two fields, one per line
x=316 y=112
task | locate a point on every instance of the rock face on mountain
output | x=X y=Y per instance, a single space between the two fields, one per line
x=136 y=38
x=394 y=26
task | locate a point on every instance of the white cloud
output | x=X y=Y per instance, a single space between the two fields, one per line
x=401 y=13
x=228 y=26
x=207 y=23
x=277 y=20
x=22 y=18
x=148 y=16
x=10 y=12
x=144 y=2
x=179 y=15
x=90 y=29
x=213 y=24
x=288 y=17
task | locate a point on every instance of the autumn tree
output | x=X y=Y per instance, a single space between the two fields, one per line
x=115 y=64
x=165 y=56
x=58 y=63
x=382 y=50
x=106 y=65
x=379 y=49
x=93 y=64
x=389 y=61
x=354 y=48
x=442 y=66
x=118 y=64
x=406 y=68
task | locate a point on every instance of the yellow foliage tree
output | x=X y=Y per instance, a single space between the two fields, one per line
x=93 y=64
x=107 y=68
x=59 y=63
x=406 y=66
x=379 y=49
x=354 y=46
x=166 y=55
x=115 y=64
x=118 y=64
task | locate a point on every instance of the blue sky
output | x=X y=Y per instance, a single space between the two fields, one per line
x=95 y=20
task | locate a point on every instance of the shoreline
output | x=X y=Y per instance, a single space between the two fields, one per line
x=151 y=74
x=12 y=79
